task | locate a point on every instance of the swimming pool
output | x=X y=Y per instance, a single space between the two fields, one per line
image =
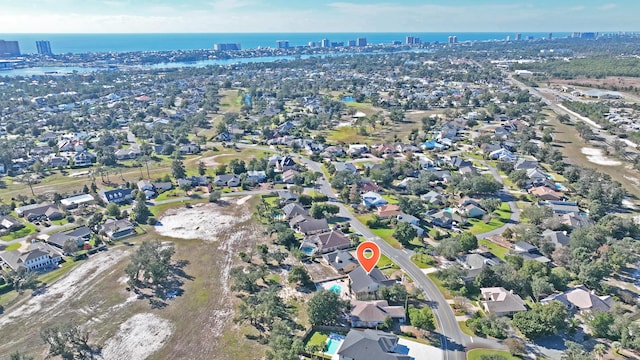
x=336 y=289
x=449 y=210
x=308 y=250
x=333 y=343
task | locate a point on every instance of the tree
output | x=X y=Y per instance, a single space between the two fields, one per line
x=411 y=206
x=422 y=318
x=600 y=324
x=404 y=233
x=467 y=241
x=151 y=263
x=113 y=210
x=19 y=356
x=325 y=308
x=575 y=351
x=541 y=320
x=599 y=350
x=22 y=279
x=451 y=277
x=202 y=168
x=215 y=196
x=177 y=169
x=537 y=214
x=515 y=346
x=298 y=275
x=140 y=211
x=68 y=341
x=394 y=294
x=519 y=177
x=70 y=246
x=491 y=204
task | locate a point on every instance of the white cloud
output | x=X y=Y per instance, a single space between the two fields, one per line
x=609 y=6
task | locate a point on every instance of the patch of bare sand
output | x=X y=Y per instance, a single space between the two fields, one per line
x=138 y=338
x=202 y=221
x=243 y=200
x=596 y=156
x=211 y=160
x=53 y=301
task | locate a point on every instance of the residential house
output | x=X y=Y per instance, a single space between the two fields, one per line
x=325 y=242
x=287 y=196
x=433 y=197
x=370 y=314
x=163 y=186
x=341 y=260
x=357 y=150
x=370 y=345
x=130 y=153
x=546 y=194
x=189 y=149
x=365 y=285
x=474 y=211
x=557 y=238
x=34 y=260
x=575 y=220
x=286 y=163
x=117 y=229
x=8 y=223
x=502 y=155
x=313 y=226
x=445 y=218
x=536 y=177
x=523 y=164
x=388 y=210
x=294 y=209
x=77 y=236
x=230 y=180
x=373 y=199
x=146 y=185
x=117 y=196
x=256 y=176
x=289 y=176
x=83 y=158
x=73 y=202
x=500 y=302
x=563 y=207
x=40 y=211
x=366 y=185
x=404 y=184
x=474 y=263
x=348 y=167
x=579 y=298
x=529 y=252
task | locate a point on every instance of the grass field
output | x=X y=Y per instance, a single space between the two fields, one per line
x=348 y=134
x=28 y=229
x=15 y=246
x=477 y=354
x=495 y=249
x=465 y=329
x=445 y=292
x=423 y=261
x=230 y=101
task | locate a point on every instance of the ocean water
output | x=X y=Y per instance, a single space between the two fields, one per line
x=86 y=43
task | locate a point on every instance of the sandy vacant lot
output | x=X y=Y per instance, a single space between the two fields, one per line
x=202 y=221
x=138 y=338
x=596 y=156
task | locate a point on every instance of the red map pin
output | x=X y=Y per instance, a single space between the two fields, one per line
x=368 y=254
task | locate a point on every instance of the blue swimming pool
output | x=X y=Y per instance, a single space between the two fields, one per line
x=348 y=99
x=449 y=210
x=336 y=289
x=308 y=250
x=333 y=343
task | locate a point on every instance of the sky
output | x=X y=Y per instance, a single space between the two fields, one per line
x=247 y=16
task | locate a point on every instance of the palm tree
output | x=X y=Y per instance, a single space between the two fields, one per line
x=599 y=350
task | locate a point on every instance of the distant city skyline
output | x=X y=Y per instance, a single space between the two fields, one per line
x=247 y=16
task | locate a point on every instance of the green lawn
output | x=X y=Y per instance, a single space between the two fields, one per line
x=495 y=249
x=351 y=135
x=445 y=292
x=60 y=222
x=54 y=275
x=501 y=217
x=423 y=261
x=385 y=261
x=272 y=201
x=15 y=246
x=465 y=329
x=391 y=199
x=477 y=354
x=28 y=229
x=387 y=235
x=318 y=338
x=170 y=194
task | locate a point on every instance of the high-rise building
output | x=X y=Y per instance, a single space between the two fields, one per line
x=412 y=40
x=282 y=44
x=226 y=47
x=453 y=39
x=550 y=36
x=361 y=42
x=312 y=44
x=44 y=47
x=518 y=37
x=325 y=43
x=508 y=38
x=351 y=43
x=9 y=48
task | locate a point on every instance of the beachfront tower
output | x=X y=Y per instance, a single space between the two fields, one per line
x=44 y=47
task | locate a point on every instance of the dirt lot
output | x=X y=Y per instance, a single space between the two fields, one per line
x=606 y=83
x=195 y=325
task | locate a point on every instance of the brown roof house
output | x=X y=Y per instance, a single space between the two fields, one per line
x=546 y=194
x=581 y=299
x=325 y=242
x=370 y=314
x=499 y=301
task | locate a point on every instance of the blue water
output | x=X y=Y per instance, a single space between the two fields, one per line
x=558 y=186
x=84 y=43
x=308 y=250
x=348 y=99
x=336 y=289
x=449 y=210
x=247 y=99
x=333 y=343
